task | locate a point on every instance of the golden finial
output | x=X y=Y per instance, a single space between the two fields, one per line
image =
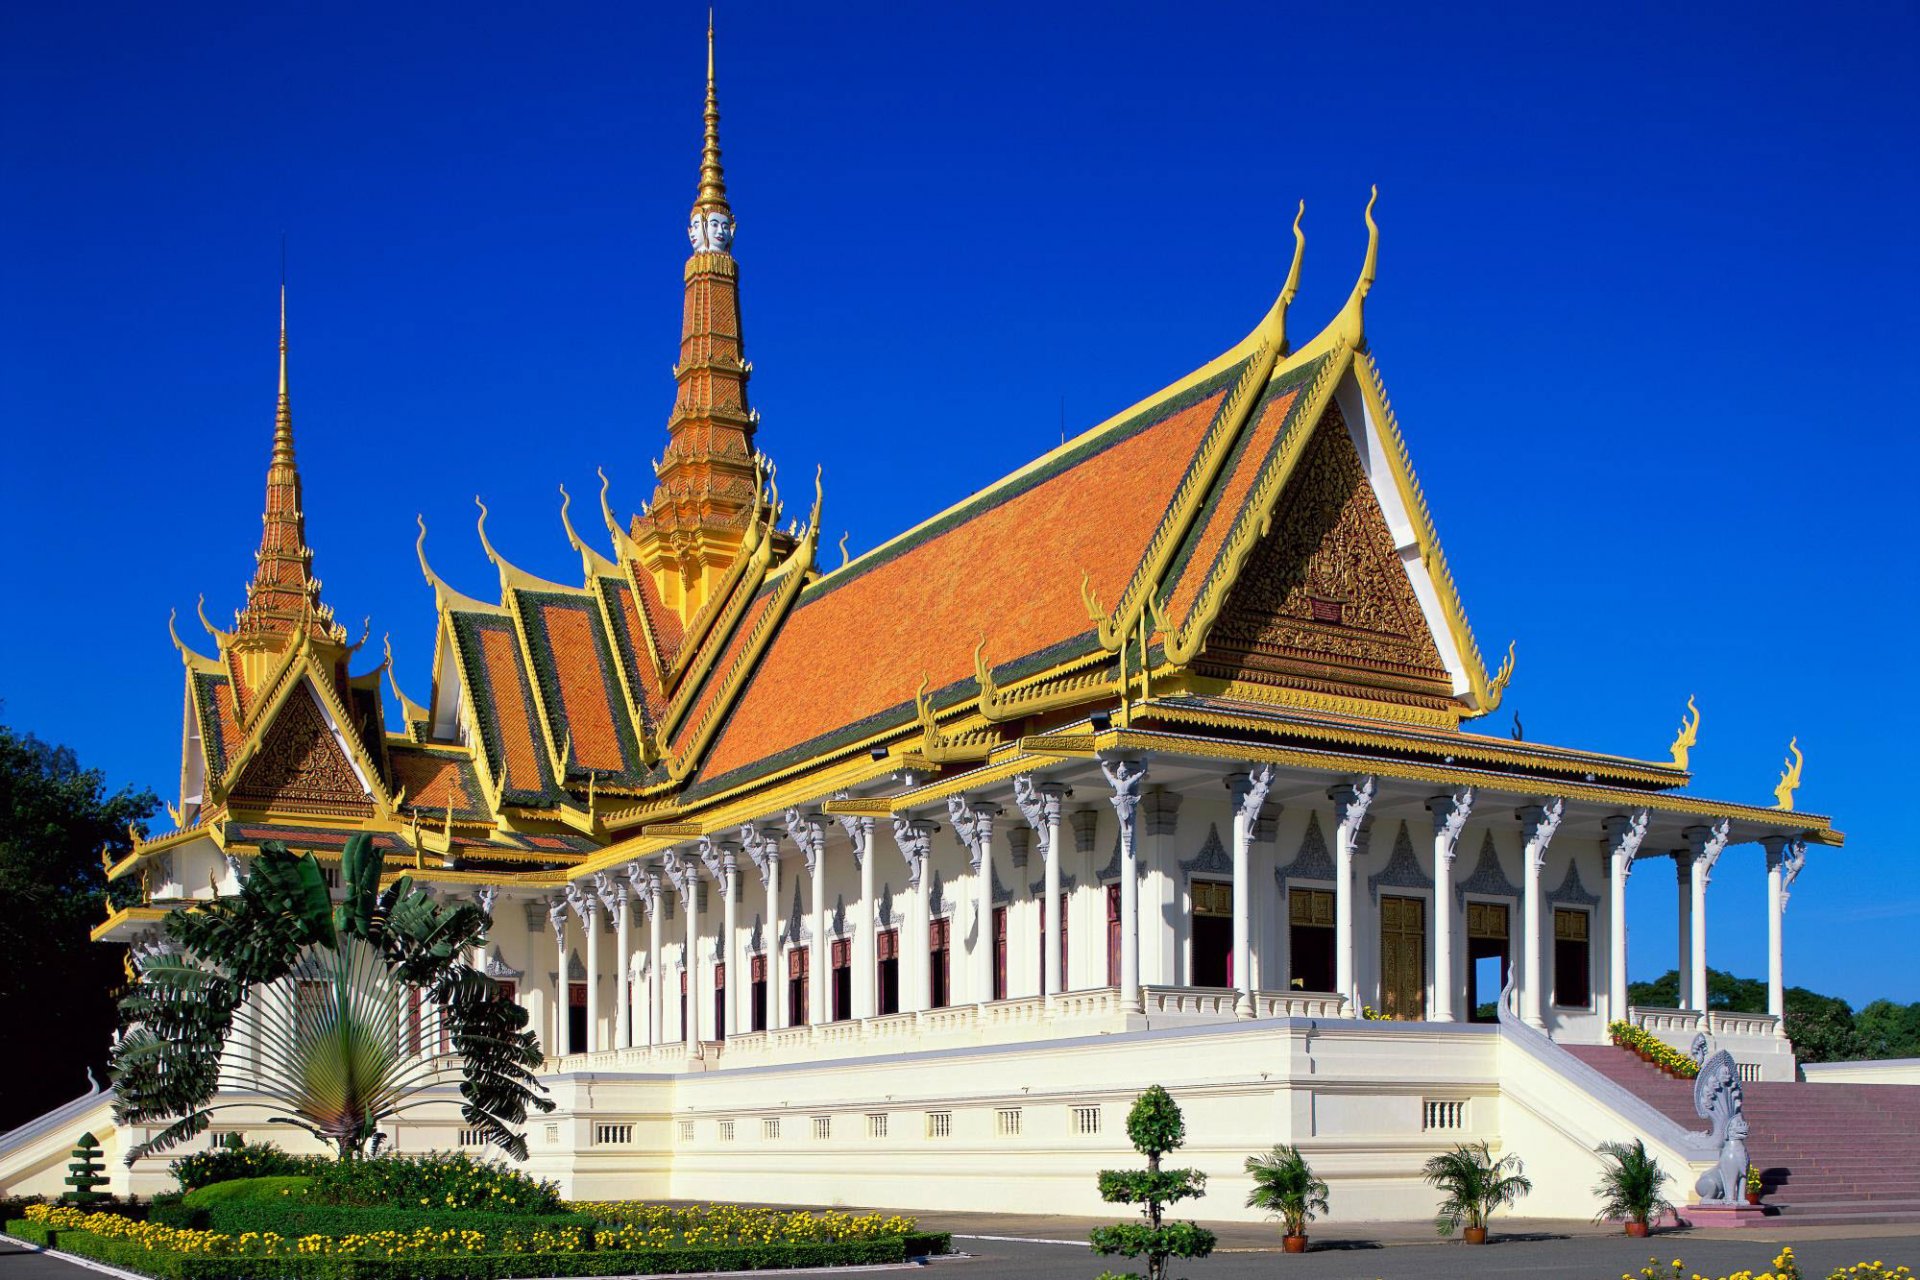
x=106 y=859
x=843 y=547
x=1789 y=777
x=1497 y=687
x=713 y=183
x=1688 y=735
x=1088 y=598
x=485 y=545
x=1352 y=326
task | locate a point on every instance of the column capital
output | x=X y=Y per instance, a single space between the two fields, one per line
x=1450 y=813
x=1793 y=860
x=583 y=904
x=1707 y=844
x=1624 y=834
x=1124 y=777
x=858 y=830
x=973 y=825
x=808 y=830
x=914 y=836
x=557 y=916
x=1538 y=823
x=1351 y=800
x=1249 y=791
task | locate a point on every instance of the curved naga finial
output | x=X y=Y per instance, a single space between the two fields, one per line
x=606 y=509
x=843 y=547
x=485 y=544
x=1789 y=777
x=1352 y=322
x=1497 y=687
x=1688 y=735
x=1291 y=290
x=219 y=637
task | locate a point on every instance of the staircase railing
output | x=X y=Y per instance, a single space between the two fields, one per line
x=65 y=1114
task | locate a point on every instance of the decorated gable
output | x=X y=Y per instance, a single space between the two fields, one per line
x=301 y=766
x=1324 y=602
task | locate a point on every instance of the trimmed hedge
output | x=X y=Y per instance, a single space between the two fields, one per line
x=274 y=1190
x=178 y=1266
x=293 y=1217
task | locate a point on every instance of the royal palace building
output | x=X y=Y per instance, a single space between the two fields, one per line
x=856 y=883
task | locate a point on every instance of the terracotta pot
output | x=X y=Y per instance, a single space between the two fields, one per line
x=1475 y=1235
x=1294 y=1244
x=1753 y=1197
x=1638 y=1230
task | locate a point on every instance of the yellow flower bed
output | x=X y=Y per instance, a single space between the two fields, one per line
x=629 y=1225
x=634 y=1224
x=1785 y=1267
x=1664 y=1055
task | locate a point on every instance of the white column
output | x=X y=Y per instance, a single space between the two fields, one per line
x=1683 y=965
x=654 y=1035
x=1449 y=820
x=557 y=918
x=808 y=831
x=1351 y=800
x=973 y=824
x=1784 y=860
x=1249 y=791
x=739 y=979
x=1776 y=909
x=1707 y=843
x=590 y=926
x=776 y=967
x=1623 y=837
x=1539 y=822
x=915 y=840
x=865 y=966
x=1125 y=777
x=1052 y=794
x=623 y=952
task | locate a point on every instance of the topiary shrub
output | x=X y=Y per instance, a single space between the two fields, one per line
x=86 y=1175
x=275 y=1190
x=1156 y=1127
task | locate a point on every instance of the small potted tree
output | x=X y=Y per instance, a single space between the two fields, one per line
x=1754 y=1185
x=1474 y=1184
x=1285 y=1188
x=1156 y=1127
x=1630 y=1187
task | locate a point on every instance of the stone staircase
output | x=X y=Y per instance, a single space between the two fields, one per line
x=1841 y=1154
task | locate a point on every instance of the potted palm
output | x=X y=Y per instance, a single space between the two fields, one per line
x=1630 y=1187
x=1474 y=1184
x=1285 y=1188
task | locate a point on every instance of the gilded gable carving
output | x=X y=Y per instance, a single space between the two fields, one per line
x=1324 y=598
x=301 y=766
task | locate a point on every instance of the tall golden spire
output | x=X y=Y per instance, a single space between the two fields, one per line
x=713 y=182
x=284 y=597
x=707 y=483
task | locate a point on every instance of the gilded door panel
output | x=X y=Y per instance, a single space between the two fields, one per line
x=1403 y=957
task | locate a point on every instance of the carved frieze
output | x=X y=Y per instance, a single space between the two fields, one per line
x=1402 y=870
x=301 y=767
x=1325 y=594
x=1488 y=880
x=1212 y=860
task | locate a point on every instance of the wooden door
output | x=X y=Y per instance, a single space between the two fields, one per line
x=1403 y=957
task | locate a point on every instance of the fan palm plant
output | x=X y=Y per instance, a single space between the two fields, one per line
x=1630 y=1186
x=333 y=996
x=1285 y=1188
x=1474 y=1185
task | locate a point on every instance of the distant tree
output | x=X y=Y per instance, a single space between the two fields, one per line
x=1156 y=1127
x=1889 y=1030
x=57 y=987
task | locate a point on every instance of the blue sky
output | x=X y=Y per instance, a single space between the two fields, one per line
x=1645 y=310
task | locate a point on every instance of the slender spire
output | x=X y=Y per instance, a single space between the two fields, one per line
x=284 y=596
x=283 y=412
x=713 y=183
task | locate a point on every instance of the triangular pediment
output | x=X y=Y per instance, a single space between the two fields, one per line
x=1324 y=602
x=301 y=765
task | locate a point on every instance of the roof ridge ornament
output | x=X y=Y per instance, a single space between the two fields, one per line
x=1351 y=327
x=1689 y=734
x=1789 y=777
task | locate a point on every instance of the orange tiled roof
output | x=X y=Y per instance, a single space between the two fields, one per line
x=503 y=706
x=436 y=779
x=847 y=660
x=219 y=720
x=574 y=664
